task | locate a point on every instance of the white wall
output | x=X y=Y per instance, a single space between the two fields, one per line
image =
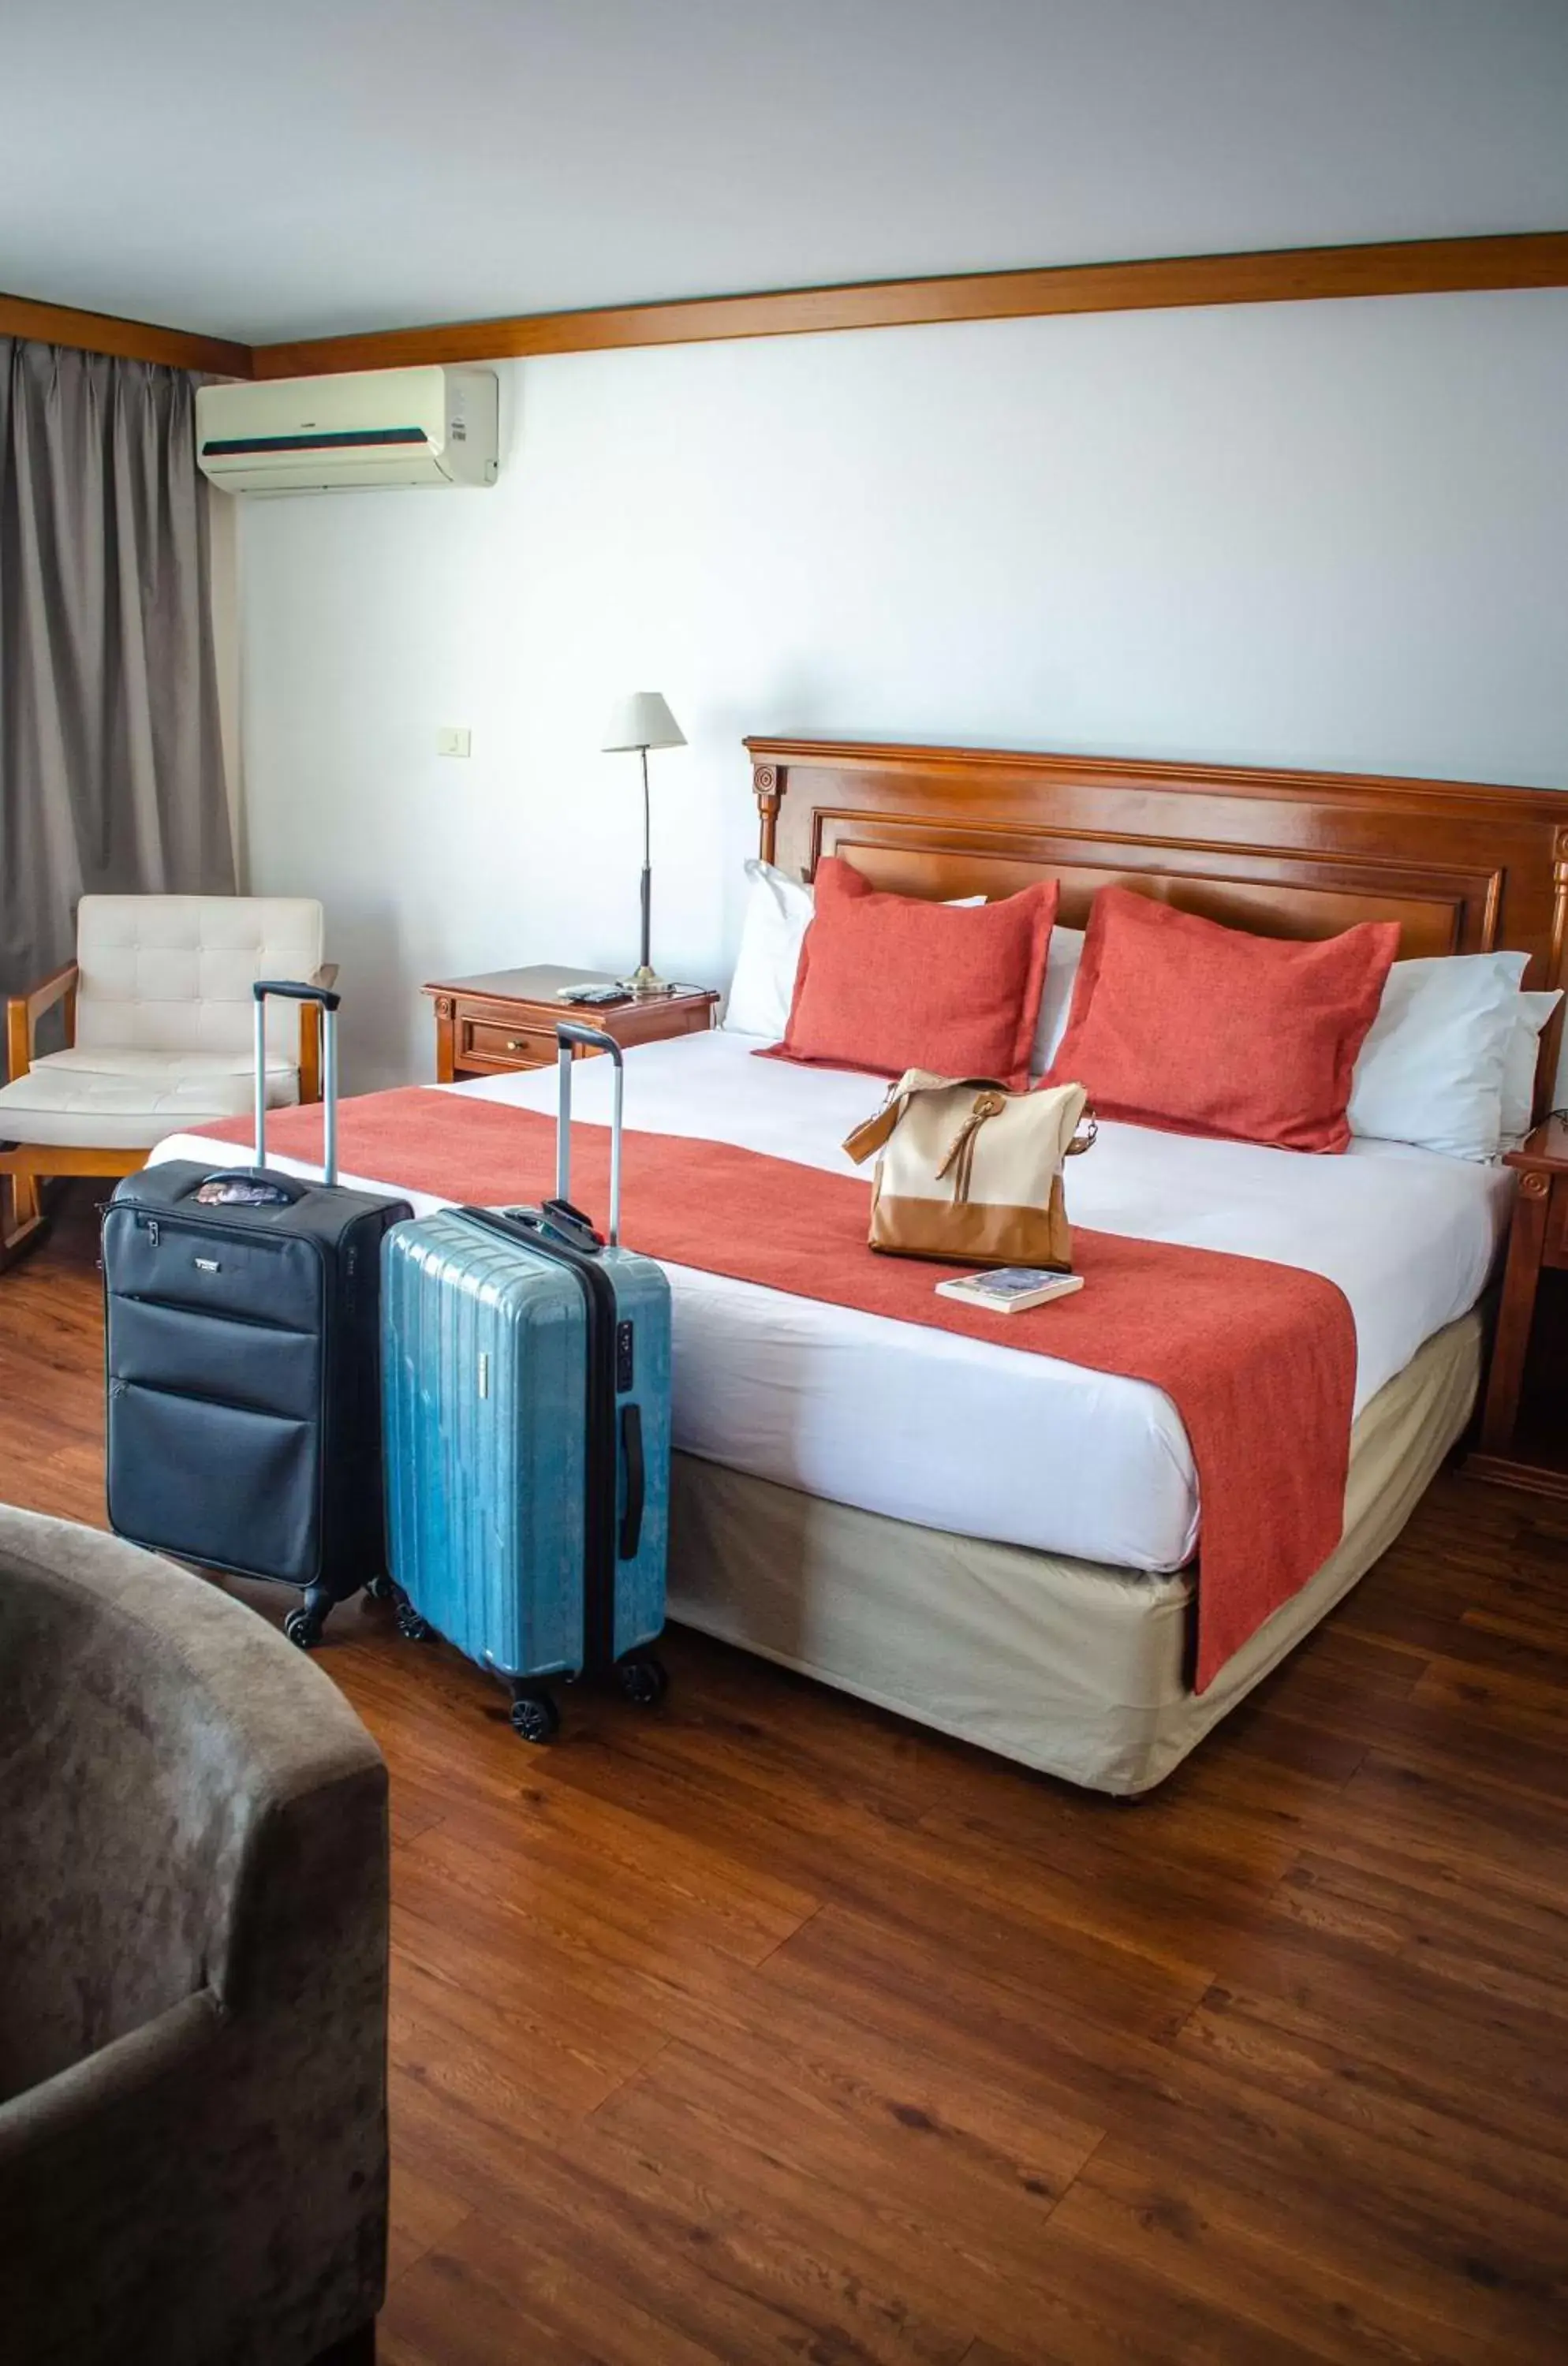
x=1327 y=534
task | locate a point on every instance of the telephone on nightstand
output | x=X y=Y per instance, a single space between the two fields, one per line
x=596 y=998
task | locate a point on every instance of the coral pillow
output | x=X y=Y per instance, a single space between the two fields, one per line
x=891 y=982
x=1179 y=1022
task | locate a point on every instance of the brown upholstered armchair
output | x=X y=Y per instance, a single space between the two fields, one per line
x=193 y=1965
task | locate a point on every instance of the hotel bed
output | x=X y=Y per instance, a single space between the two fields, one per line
x=1001 y=1545
x=951 y=1433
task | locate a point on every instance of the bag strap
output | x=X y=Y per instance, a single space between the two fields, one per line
x=876 y=1130
x=1085 y=1135
x=860 y=1144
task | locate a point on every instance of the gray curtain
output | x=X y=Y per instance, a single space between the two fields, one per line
x=111 y=767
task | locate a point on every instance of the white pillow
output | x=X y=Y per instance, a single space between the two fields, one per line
x=778 y=913
x=1061 y=976
x=1518 y=1068
x=1433 y=1067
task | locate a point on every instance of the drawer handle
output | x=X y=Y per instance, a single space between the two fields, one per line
x=513 y=1044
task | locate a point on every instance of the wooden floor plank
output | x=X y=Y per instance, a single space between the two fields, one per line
x=1183 y=2235
x=1379 y=2197
x=770 y=2028
x=422 y=2213
x=1122 y=2309
x=1402 y=2092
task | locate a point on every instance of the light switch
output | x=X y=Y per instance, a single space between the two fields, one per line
x=452 y=739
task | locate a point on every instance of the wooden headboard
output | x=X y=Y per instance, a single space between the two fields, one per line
x=1463 y=866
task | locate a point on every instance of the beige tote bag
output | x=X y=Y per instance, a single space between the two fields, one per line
x=970 y=1174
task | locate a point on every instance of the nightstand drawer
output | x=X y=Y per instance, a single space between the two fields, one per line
x=504 y=1047
x=521 y=1045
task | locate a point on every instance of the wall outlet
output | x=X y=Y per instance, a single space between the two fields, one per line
x=452 y=739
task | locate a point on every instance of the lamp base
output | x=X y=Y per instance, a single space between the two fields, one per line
x=645 y=986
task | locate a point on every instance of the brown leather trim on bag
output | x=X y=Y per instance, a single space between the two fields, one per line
x=960 y=1159
x=871 y=1136
x=1086 y=1135
x=975 y=1232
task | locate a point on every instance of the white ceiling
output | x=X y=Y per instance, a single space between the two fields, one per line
x=296 y=167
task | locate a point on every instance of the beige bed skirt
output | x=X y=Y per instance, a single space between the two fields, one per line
x=1066 y=1665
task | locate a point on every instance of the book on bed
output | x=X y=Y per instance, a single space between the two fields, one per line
x=1011 y=1289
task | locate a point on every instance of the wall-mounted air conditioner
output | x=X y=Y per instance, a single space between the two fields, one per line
x=331 y=434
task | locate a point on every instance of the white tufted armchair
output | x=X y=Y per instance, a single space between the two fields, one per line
x=159 y=1021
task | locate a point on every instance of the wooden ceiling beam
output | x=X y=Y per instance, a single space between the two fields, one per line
x=137 y=340
x=1285 y=276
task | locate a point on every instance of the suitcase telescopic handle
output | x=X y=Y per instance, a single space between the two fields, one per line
x=590 y=1039
x=291 y=990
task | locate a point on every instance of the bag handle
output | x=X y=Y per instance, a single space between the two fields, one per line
x=636 y=1481
x=876 y=1130
x=325 y=996
x=591 y=1039
x=284 y=1190
x=871 y=1136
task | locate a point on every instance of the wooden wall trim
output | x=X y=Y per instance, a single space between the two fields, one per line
x=137 y=340
x=1287 y=275
x=1284 y=275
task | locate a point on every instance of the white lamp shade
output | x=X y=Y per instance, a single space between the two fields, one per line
x=640 y=720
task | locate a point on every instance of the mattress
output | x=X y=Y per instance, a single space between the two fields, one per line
x=1067 y=1666
x=947 y=1432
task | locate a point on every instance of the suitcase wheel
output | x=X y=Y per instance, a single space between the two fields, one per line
x=411 y=1625
x=535 y=1717
x=380 y=1587
x=643 y=1680
x=303 y=1626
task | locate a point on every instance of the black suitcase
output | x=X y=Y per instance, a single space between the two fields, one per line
x=243 y=1335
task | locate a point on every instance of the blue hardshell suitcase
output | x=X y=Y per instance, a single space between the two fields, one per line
x=526 y=1369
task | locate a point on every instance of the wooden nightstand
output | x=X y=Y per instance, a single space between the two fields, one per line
x=485 y=1026
x=1524 y=1430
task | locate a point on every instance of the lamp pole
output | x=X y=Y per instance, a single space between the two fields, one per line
x=645 y=977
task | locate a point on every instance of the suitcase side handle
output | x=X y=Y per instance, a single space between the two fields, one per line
x=589 y=1039
x=636 y=1480
x=294 y=990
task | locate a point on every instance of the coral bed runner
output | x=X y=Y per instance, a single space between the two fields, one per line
x=1259 y=1360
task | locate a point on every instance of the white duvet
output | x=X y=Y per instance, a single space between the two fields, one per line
x=978 y=1439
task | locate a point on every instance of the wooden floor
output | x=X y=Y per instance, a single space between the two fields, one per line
x=765 y=2027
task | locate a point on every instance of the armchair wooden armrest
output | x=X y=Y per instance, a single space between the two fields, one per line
x=24 y=1011
x=311 y=1035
